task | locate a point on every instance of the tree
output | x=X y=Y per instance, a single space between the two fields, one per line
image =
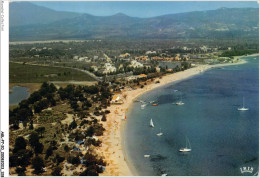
x=33 y=139
x=38 y=148
x=20 y=171
x=73 y=125
x=49 y=152
x=35 y=96
x=90 y=132
x=20 y=144
x=104 y=118
x=56 y=172
x=38 y=165
x=40 y=130
x=66 y=148
x=59 y=159
x=31 y=125
x=20 y=158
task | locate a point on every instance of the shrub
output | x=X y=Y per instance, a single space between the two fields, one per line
x=20 y=171
x=56 y=171
x=104 y=118
x=20 y=144
x=38 y=165
x=49 y=152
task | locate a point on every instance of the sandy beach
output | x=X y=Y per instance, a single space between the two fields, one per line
x=112 y=141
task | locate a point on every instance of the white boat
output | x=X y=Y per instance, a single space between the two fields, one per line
x=151 y=123
x=160 y=134
x=143 y=106
x=186 y=148
x=164 y=175
x=179 y=102
x=146 y=156
x=243 y=108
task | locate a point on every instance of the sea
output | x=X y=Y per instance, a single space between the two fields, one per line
x=224 y=141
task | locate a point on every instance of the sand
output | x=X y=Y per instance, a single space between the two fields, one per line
x=112 y=148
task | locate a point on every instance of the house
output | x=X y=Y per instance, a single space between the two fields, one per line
x=83 y=59
x=142 y=76
x=131 y=78
x=124 y=55
x=186 y=57
x=109 y=68
x=177 y=58
x=169 y=70
x=157 y=69
x=136 y=64
x=116 y=100
x=95 y=57
x=150 y=52
x=95 y=68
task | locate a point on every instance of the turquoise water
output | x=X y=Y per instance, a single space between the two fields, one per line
x=223 y=139
x=18 y=94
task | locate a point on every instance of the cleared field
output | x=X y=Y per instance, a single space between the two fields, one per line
x=22 y=73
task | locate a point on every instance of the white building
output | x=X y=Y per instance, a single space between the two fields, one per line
x=83 y=59
x=150 y=52
x=109 y=68
x=136 y=64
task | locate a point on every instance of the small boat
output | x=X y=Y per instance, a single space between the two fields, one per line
x=143 y=106
x=186 y=149
x=243 y=108
x=164 y=175
x=179 y=102
x=155 y=104
x=151 y=123
x=175 y=90
x=146 y=156
x=160 y=134
x=151 y=102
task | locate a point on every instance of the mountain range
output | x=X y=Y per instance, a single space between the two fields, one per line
x=29 y=22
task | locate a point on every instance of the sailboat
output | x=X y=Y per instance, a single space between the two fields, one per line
x=180 y=102
x=151 y=123
x=243 y=108
x=160 y=134
x=186 y=149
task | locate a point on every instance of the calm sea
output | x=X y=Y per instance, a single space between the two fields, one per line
x=223 y=139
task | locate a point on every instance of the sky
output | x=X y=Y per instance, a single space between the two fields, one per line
x=141 y=8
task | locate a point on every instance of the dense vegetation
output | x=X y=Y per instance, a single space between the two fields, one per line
x=238 y=52
x=46 y=142
x=23 y=73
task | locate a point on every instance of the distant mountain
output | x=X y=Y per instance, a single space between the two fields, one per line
x=220 y=23
x=25 y=13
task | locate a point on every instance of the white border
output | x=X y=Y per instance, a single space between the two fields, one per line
x=5 y=82
x=4 y=74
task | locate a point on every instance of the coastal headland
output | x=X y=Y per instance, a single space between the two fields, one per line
x=112 y=149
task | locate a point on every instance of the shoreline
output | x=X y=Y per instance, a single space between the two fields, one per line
x=113 y=148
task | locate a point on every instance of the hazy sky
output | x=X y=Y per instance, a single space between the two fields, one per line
x=141 y=8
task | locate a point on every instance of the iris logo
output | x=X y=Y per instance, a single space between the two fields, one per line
x=248 y=169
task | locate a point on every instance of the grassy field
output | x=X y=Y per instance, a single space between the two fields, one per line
x=22 y=73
